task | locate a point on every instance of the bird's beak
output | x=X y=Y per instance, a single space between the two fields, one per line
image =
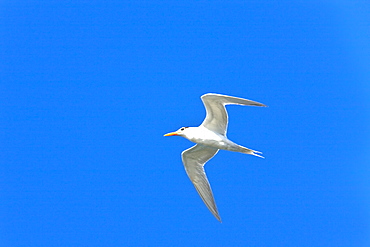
x=171 y=134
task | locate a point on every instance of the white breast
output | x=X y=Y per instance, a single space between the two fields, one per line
x=204 y=136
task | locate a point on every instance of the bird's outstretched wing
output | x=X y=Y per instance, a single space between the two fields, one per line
x=194 y=159
x=216 y=119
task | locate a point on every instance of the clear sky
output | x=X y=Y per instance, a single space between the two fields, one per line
x=88 y=88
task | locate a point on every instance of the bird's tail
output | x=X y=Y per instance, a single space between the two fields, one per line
x=245 y=150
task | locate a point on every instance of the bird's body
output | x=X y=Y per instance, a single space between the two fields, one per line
x=210 y=137
x=203 y=136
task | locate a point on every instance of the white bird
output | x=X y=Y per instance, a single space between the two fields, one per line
x=210 y=137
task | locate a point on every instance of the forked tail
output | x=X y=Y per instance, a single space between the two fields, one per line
x=251 y=152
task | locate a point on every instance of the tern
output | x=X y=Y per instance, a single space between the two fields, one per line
x=210 y=137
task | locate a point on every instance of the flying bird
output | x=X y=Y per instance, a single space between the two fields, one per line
x=210 y=137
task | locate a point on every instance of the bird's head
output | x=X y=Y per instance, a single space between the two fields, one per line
x=180 y=132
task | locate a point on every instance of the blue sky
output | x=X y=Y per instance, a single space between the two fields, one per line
x=88 y=88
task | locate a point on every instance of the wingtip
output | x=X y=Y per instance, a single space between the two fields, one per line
x=218 y=217
x=260 y=104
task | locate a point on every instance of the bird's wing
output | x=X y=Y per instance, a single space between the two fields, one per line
x=216 y=119
x=194 y=159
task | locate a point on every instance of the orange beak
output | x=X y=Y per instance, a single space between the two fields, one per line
x=171 y=134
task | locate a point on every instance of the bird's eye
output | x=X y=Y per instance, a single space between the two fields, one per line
x=182 y=128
